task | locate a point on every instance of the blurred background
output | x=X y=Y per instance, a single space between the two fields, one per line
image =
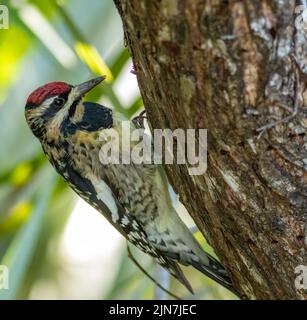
x=54 y=245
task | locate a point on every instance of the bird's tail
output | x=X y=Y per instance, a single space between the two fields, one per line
x=173 y=268
x=216 y=272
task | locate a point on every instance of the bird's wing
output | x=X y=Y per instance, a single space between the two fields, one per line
x=99 y=194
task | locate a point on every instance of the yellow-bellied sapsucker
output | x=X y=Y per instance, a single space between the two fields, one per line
x=134 y=198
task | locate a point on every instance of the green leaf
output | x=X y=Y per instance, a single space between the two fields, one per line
x=18 y=256
x=90 y=56
x=120 y=61
x=11 y=52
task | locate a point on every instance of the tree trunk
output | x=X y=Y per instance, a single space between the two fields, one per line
x=225 y=65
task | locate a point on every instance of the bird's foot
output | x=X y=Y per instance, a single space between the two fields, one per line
x=138 y=121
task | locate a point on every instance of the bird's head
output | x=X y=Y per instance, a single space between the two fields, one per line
x=54 y=102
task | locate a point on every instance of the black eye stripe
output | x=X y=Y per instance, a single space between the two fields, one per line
x=58 y=102
x=64 y=95
x=54 y=108
x=73 y=108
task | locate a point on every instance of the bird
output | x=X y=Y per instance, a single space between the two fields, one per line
x=134 y=198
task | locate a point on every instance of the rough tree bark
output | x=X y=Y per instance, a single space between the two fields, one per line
x=226 y=65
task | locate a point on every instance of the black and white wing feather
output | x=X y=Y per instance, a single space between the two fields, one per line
x=99 y=194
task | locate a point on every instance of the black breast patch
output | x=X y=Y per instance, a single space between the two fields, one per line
x=95 y=117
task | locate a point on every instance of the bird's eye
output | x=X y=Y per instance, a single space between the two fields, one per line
x=58 y=102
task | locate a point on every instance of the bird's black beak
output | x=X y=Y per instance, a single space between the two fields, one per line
x=83 y=88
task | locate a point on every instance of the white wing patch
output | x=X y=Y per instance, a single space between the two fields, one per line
x=104 y=193
x=125 y=221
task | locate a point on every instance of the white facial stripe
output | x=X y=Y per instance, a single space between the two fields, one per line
x=40 y=110
x=48 y=102
x=60 y=115
x=73 y=96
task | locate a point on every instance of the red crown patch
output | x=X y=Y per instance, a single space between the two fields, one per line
x=47 y=90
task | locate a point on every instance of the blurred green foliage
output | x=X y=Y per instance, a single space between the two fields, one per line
x=69 y=41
